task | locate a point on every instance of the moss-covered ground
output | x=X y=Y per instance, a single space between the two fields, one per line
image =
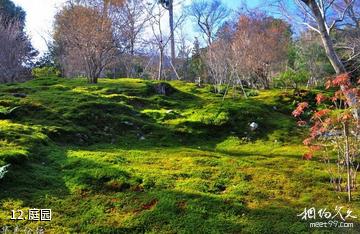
x=117 y=157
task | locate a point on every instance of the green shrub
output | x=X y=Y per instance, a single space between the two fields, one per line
x=291 y=79
x=252 y=93
x=46 y=72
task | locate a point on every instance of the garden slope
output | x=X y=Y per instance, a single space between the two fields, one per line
x=118 y=157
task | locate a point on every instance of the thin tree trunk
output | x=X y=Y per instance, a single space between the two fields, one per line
x=161 y=59
x=172 y=38
x=332 y=55
x=241 y=85
x=325 y=37
x=347 y=159
x=174 y=69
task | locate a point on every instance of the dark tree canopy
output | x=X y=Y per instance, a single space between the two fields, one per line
x=17 y=52
x=9 y=11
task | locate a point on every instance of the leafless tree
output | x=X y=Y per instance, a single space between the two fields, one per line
x=169 y=5
x=161 y=39
x=16 y=52
x=129 y=22
x=323 y=16
x=184 y=49
x=209 y=16
x=216 y=59
x=259 y=48
x=84 y=37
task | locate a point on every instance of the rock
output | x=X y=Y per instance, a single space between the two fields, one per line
x=164 y=89
x=253 y=126
x=20 y=95
x=274 y=107
x=142 y=138
x=4 y=170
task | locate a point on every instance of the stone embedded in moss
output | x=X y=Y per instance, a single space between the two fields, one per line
x=164 y=89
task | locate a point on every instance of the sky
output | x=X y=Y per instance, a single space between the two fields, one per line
x=39 y=19
x=40 y=15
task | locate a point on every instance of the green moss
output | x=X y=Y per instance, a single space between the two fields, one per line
x=118 y=158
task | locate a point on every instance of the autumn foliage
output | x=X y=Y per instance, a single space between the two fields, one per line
x=334 y=132
x=329 y=117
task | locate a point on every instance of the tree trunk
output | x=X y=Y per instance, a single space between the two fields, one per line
x=347 y=160
x=334 y=59
x=161 y=59
x=172 y=38
x=326 y=40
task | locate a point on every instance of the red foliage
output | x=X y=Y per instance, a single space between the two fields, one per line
x=322 y=120
x=150 y=204
x=320 y=98
x=321 y=113
x=308 y=141
x=300 y=109
x=342 y=79
x=333 y=99
x=328 y=84
x=339 y=95
x=328 y=122
x=346 y=117
x=317 y=129
x=307 y=156
x=301 y=123
x=314 y=148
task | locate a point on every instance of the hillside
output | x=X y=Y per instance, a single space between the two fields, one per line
x=118 y=157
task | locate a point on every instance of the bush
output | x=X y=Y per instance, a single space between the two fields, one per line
x=252 y=93
x=46 y=72
x=291 y=79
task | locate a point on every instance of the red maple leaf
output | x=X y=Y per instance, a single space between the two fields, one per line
x=307 y=141
x=321 y=113
x=320 y=98
x=307 y=156
x=328 y=84
x=300 y=109
x=314 y=148
x=342 y=79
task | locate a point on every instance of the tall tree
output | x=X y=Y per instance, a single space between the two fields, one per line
x=86 y=33
x=196 y=62
x=16 y=50
x=129 y=22
x=260 y=45
x=168 y=5
x=10 y=12
x=209 y=16
x=160 y=39
x=323 y=16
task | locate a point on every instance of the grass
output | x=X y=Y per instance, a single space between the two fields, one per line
x=116 y=157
